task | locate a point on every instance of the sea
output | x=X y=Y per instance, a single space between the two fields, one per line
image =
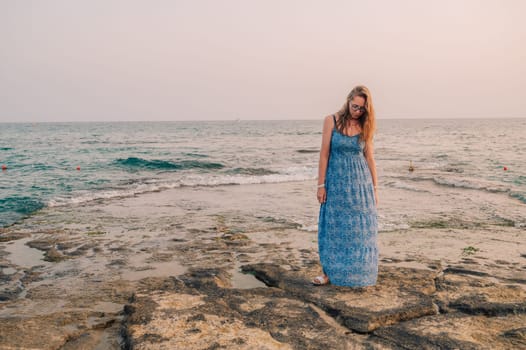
x=48 y=165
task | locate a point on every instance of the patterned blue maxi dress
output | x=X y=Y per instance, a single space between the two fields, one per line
x=348 y=226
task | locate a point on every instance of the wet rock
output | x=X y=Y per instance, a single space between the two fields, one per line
x=95 y=233
x=160 y=257
x=235 y=239
x=95 y=339
x=53 y=255
x=83 y=249
x=117 y=263
x=54 y=331
x=14 y=333
x=6 y=236
x=12 y=285
x=9 y=293
x=65 y=245
x=121 y=249
x=42 y=244
x=31 y=275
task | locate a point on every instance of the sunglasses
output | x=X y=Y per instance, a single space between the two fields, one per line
x=357 y=108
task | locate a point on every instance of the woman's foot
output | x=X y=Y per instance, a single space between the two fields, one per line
x=320 y=280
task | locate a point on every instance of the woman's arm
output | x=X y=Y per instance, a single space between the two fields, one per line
x=369 y=156
x=328 y=125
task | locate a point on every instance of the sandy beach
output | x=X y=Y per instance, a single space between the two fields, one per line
x=78 y=276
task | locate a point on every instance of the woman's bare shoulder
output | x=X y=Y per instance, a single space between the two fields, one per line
x=329 y=120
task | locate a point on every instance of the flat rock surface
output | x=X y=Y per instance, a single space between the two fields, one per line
x=457 y=331
x=400 y=294
x=165 y=271
x=400 y=312
x=193 y=312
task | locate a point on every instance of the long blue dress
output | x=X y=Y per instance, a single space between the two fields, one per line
x=348 y=226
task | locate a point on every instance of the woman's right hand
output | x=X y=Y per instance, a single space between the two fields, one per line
x=322 y=195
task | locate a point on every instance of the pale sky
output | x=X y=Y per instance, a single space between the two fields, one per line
x=112 y=60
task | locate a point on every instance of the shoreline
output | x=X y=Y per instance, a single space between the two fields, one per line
x=103 y=253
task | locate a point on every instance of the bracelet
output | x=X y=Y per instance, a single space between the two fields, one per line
x=321 y=186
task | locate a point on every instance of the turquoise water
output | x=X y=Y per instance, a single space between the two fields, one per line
x=127 y=159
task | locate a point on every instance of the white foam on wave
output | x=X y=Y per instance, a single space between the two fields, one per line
x=470 y=184
x=289 y=175
x=309 y=228
x=83 y=197
x=403 y=186
x=465 y=182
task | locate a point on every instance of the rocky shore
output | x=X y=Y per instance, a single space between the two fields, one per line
x=185 y=270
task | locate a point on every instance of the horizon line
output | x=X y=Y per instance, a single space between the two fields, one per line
x=247 y=120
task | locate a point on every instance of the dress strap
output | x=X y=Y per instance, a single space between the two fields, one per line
x=334 y=119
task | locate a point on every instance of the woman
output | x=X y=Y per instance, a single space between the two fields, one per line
x=347 y=181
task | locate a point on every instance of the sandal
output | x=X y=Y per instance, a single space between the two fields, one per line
x=320 y=280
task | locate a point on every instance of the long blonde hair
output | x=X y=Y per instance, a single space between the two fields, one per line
x=367 y=119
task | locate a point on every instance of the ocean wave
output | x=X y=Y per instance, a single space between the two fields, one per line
x=291 y=175
x=157 y=164
x=469 y=184
x=252 y=171
x=403 y=186
x=453 y=170
x=88 y=196
x=196 y=155
x=303 y=133
x=5 y=148
x=20 y=204
x=455 y=182
x=13 y=208
x=452 y=181
x=521 y=196
x=520 y=180
x=37 y=166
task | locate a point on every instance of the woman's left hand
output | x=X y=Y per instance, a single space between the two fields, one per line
x=322 y=195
